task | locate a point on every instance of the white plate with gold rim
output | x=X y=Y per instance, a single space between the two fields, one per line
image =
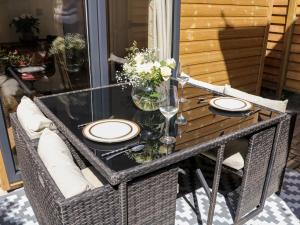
x=230 y=104
x=111 y=130
x=31 y=69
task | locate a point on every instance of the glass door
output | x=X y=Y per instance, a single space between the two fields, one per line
x=44 y=49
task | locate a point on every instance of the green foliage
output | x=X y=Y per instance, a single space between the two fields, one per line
x=143 y=68
x=25 y=24
x=17 y=59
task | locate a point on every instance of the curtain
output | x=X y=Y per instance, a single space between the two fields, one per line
x=160 y=27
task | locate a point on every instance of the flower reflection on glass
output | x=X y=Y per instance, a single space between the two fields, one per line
x=169 y=108
x=182 y=78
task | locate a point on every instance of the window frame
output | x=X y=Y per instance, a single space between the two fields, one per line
x=97 y=14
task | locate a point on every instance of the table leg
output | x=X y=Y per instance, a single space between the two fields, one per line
x=123 y=200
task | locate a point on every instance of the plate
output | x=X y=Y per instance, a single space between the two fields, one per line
x=31 y=69
x=111 y=130
x=230 y=104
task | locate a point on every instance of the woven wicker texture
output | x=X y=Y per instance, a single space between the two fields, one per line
x=255 y=171
x=264 y=145
x=99 y=206
x=151 y=198
x=147 y=194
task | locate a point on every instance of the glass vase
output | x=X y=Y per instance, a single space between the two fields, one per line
x=147 y=98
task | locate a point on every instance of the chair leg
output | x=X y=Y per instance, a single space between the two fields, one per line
x=203 y=183
x=216 y=182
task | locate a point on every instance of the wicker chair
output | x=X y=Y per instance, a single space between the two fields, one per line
x=246 y=190
x=146 y=198
x=98 y=206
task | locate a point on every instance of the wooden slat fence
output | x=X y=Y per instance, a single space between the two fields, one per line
x=282 y=61
x=275 y=46
x=292 y=73
x=224 y=42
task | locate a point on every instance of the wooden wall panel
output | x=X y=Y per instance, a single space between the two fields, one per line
x=223 y=42
x=275 y=47
x=292 y=78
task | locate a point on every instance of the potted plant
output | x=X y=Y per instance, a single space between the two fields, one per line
x=71 y=48
x=146 y=73
x=27 y=26
x=17 y=59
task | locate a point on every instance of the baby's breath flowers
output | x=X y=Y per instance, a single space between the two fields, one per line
x=145 y=72
x=69 y=42
x=142 y=68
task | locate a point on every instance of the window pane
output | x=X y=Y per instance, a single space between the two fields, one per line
x=29 y=28
x=149 y=23
x=43 y=50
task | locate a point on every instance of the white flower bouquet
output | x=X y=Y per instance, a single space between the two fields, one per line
x=69 y=42
x=142 y=68
x=145 y=73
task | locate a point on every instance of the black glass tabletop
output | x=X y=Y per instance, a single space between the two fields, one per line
x=204 y=123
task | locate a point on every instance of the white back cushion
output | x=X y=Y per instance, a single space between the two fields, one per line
x=32 y=119
x=90 y=176
x=59 y=162
x=272 y=104
x=197 y=83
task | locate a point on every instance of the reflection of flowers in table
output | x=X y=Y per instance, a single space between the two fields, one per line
x=146 y=73
x=27 y=25
x=152 y=124
x=71 y=47
x=153 y=150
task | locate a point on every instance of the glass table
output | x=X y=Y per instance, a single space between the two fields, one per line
x=207 y=128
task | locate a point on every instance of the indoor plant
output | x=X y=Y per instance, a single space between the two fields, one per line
x=71 y=47
x=146 y=73
x=27 y=25
x=17 y=59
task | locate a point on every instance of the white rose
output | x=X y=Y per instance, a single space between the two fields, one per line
x=23 y=16
x=166 y=72
x=171 y=63
x=145 y=68
x=16 y=19
x=139 y=59
x=157 y=64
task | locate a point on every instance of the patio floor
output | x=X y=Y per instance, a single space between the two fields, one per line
x=191 y=209
x=294 y=157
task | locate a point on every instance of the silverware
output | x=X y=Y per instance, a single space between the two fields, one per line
x=83 y=125
x=252 y=112
x=137 y=148
x=204 y=99
x=221 y=133
x=121 y=149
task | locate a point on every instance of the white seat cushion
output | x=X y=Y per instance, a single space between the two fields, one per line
x=32 y=119
x=3 y=78
x=59 y=162
x=272 y=104
x=90 y=176
x=197 y=83
x=234 y=154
